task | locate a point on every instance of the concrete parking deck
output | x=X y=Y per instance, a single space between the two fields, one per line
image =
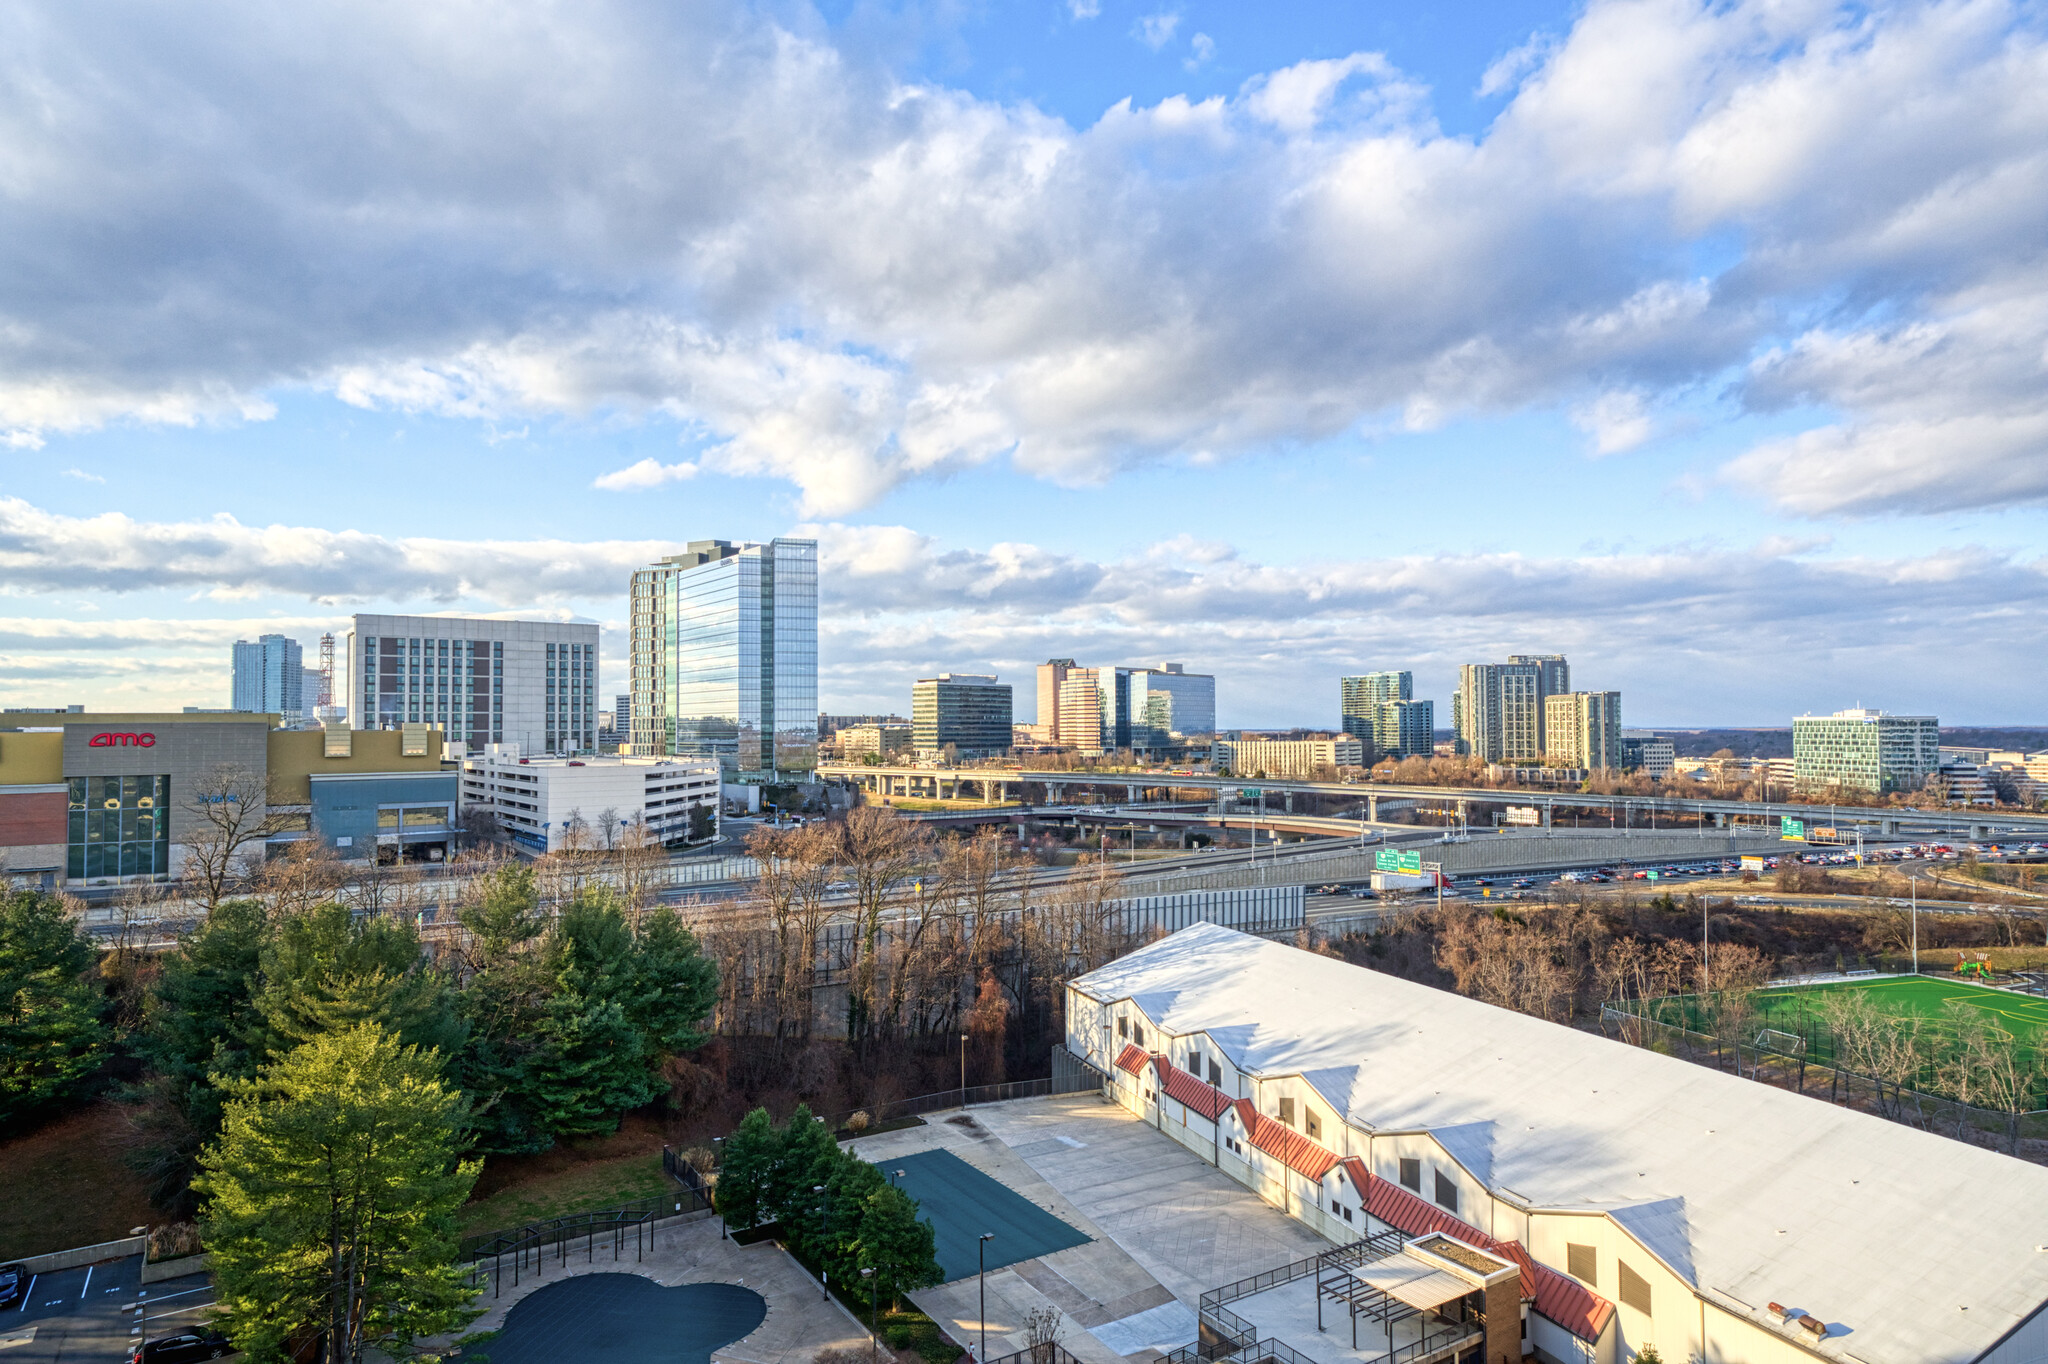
x=1166 y=1225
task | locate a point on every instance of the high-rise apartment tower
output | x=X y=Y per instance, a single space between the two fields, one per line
x=270 y=675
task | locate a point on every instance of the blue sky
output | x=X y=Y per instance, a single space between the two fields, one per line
x=1704 y=344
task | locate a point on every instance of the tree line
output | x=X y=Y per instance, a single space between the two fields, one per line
x=317 y=1087
x=833 y=1210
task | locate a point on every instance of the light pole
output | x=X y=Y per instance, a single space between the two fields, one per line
x=718 y=1160
x=963 y=1070
x=1914 y=883
x=981 y=1250
x=874 y=1311
x=825 y=1224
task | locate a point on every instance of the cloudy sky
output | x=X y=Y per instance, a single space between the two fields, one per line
x=1704 y=343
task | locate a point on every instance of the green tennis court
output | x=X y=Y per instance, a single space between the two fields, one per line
x=961 y=1203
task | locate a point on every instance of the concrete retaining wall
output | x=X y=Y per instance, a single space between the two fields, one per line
x=155 y=1271
x=85 y=1255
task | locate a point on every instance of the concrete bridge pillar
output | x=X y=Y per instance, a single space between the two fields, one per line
x=1288 y=796
x=1549 y=808
x=1372 y=808
x=1979 y=832
x=1130 y=795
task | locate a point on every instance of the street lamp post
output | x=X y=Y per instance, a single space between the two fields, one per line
x=718 y=1158
x=825 y=1224
x=1914 y=883
x=874 y=1311
x=981 y=1250
x=963 y=1070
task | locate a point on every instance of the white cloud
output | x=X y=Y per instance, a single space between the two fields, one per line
x=897 y=602
x=828 y=276
x=1616 y=421
x=647 y=473
x=1084 y=9
x=82 y=474
x=1156 y=30
x=1201 y=48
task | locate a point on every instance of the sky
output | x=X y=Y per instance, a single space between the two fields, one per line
x=1703 y=343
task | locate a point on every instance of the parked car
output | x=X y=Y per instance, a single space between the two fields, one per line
x=13 y=1285
x=186 y=1345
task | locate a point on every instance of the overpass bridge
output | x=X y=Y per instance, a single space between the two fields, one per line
x=995 y=784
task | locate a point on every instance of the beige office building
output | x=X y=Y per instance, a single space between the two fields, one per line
x=1289 y=758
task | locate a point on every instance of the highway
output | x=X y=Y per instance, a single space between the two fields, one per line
x=1628 y=811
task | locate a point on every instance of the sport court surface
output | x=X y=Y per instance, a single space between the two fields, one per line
x=961 y=1203
x=625 y=1319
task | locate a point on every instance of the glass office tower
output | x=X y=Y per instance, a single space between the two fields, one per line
x=725 y=657
x=1170 y=706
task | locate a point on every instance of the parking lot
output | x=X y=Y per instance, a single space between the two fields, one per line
x=99 y=1313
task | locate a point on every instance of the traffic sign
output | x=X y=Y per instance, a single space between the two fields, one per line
x=1789 y=828
x=1250 y=793
x=1392 y=859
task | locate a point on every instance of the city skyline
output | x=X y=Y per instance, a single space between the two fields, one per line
x=1738 y=417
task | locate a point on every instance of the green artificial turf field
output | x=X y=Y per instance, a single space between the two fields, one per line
x=1798 y=1010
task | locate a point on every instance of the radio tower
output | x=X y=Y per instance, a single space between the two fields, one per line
x=326 y=696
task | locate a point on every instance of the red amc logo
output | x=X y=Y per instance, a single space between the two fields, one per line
x=121 y=741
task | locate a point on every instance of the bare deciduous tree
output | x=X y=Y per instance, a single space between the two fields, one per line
x=228 y=817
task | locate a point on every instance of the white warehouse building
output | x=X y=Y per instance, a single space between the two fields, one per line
x=547 y=804
x=1646 y=1200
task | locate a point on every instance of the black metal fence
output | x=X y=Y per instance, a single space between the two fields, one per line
x=1051 y=1353
x=1071 y=1075
x=528 y=1249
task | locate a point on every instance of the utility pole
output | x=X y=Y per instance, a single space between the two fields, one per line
x=963 y=1070
x=1914 y=883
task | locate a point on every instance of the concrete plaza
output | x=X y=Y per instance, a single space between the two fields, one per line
x=1166 y=1226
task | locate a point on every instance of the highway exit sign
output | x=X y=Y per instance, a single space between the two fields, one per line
x=1791 y=828
x=1391 y=859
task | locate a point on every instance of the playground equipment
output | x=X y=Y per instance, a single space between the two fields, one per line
x=1977 y=970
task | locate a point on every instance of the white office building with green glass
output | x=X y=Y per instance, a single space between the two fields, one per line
x=1871 y=751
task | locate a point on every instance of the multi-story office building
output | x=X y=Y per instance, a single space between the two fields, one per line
x=1171 y=707
x=1649 y=753
x=1051 y=674
x=550 y=804
x=1583 y=729
x=966 y=712
x=1500 y=711
x=1292 y=758
x=725 y=658
x=1095 y=709
x=270 y=677
x=481 y=681
x=622 y=714
x=881 y=741
x=1865 y=750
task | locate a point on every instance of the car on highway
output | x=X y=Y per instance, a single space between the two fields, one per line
x=1523 y=884
x=13 y=1284
x=186 y=1345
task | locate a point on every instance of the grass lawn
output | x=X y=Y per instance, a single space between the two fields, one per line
x=580 y=1176
x=66 y=1185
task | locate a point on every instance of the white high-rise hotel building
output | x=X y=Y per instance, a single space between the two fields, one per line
x=526 y=682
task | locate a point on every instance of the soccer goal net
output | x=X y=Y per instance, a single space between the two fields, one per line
x=1783 y=1043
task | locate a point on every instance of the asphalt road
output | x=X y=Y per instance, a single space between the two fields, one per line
x=96 y=1313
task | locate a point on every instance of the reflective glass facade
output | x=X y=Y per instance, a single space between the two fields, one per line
x=725 y=657
x=119 y=826
x=1170 y=707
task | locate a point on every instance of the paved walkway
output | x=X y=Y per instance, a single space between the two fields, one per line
x=799 y=1323
x=1166 y=1226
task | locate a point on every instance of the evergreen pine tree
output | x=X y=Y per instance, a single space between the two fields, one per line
x=51 y=1037
x=331 y=1199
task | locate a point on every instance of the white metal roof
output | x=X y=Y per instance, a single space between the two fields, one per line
x=1413 y=1280
x=1918 y=1248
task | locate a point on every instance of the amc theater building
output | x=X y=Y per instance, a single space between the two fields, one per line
x=106 y=798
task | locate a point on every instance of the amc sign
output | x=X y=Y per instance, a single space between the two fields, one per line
x=121 y=741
